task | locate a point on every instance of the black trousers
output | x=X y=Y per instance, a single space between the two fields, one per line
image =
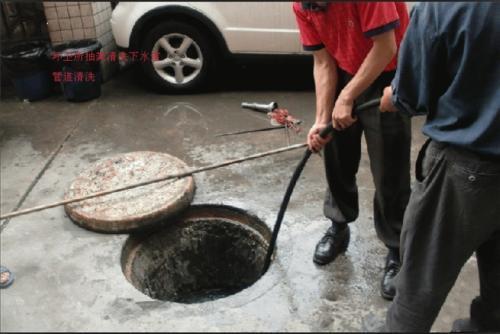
x=388 y=139
x=454 y=210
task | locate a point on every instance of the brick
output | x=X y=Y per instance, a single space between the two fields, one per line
x=78 y=34
x=67 y=35
x=60 y=3
x=64 y=24
x=50 y=13
x=89 y=33
x=53 y=25
x=49 y=4
x=62 y=12
x=74 y=11
x=76 y=23
x=85 y=10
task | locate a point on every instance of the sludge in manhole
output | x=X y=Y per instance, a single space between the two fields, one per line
x=209 y=252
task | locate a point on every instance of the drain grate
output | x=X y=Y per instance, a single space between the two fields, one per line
x=209 y=252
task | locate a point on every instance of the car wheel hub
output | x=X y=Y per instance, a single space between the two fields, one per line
x=180 y=58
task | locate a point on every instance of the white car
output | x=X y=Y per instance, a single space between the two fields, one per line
x=189 y=40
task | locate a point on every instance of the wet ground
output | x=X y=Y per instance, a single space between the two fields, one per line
x=70 y=279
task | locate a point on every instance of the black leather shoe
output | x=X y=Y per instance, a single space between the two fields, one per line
x=392 y=265
x=333 y=243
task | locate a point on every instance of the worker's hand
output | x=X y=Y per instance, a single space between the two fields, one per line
x=342 y=117
x=386 y=101
x=314 y=140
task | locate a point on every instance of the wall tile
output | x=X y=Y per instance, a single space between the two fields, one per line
x=67 y=35
x=97 y=30
x=101 y=17
x=50 y=13
x=100 y=30
x=74 y=11
x=89 y=33
x=107 y=25
x=98 y=19
x=76 y=23
x=88 y=21
x=60 y=3
x=49 y=4
x=64 y=24
x=78 y=34
x=56 y=36
x=86 y=9
x=94 y=7
x=62 y=12
x=94 y=18
x=53 y=25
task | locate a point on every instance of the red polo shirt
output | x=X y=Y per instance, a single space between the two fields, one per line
x=345 y=28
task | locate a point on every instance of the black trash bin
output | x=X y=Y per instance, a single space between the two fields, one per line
x=28 y=65
x=80 y=69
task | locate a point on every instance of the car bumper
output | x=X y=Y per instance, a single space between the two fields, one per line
x=122 y=24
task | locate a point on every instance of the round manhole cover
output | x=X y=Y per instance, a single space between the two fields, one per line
x=132 y=209
x=207 y=253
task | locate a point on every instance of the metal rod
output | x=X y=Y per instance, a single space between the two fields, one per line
x=249 y=131
x=160 y=179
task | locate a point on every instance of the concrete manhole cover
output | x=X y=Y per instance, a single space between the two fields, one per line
x=207 y=253
x=133 y=209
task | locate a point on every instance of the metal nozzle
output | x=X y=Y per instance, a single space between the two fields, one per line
x=265 y=108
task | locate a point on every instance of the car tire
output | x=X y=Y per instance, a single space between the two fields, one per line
x=180 y=58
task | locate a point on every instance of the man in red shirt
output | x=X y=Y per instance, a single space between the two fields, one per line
x=354 y=48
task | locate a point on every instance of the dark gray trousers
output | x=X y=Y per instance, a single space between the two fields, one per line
x=388 y=139
x=454 y=210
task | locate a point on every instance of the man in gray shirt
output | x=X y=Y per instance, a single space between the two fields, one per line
x=449 y=70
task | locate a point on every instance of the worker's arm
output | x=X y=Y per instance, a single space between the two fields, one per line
x=325 y=81
x=386 y=104
x=421 y=74
x=382 y=52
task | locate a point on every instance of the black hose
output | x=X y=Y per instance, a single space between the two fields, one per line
x=291 y=185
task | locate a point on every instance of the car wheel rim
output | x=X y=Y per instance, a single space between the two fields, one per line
x=177 y=58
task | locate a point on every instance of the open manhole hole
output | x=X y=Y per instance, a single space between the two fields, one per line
x=207 y=253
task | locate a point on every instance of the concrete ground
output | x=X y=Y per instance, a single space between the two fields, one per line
x=70 y=279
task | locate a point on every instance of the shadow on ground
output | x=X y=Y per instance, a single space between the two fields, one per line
x=277 y=74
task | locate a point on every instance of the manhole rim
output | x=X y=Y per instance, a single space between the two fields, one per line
x=254 y=291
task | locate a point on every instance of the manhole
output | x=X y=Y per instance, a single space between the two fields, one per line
x=207 y=253
x=133 y=209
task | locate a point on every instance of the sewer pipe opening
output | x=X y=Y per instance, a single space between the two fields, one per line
x=208 y=252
